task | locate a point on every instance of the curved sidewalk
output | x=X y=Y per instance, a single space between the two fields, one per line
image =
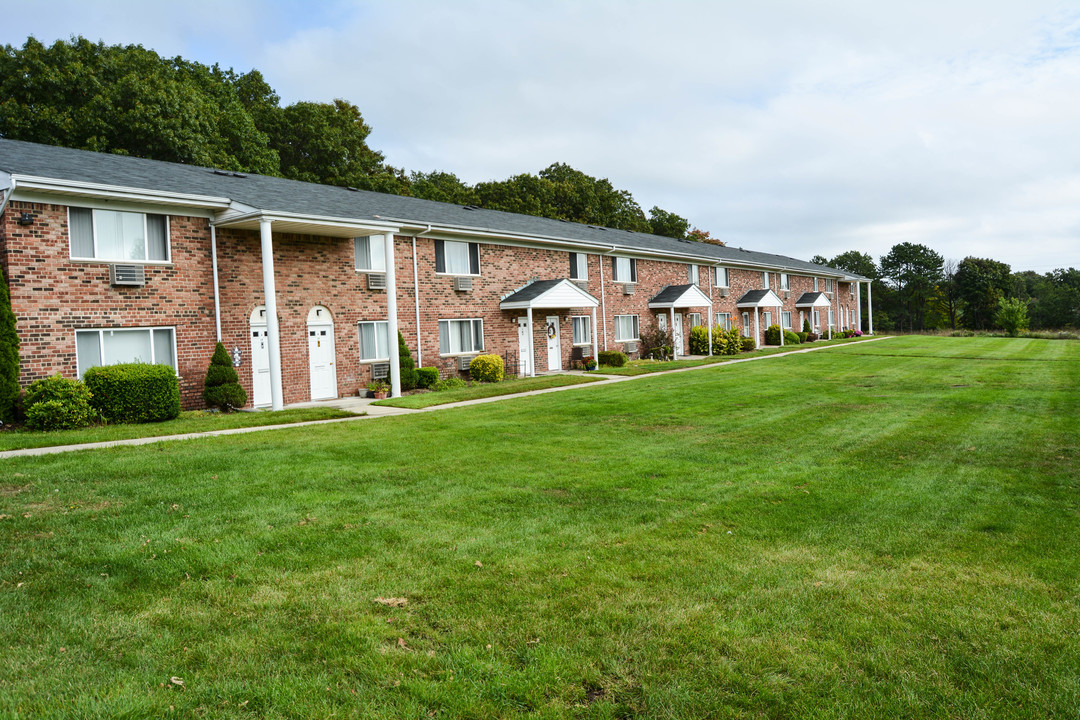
x=378 y=411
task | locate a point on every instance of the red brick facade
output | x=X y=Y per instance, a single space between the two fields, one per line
x=53 y=296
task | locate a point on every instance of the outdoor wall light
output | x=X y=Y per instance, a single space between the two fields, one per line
x=26 y=219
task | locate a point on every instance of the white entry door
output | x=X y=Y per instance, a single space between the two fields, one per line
x=554 y=351
x=524 y=356
x=321 y=360
x=676 y=334
x=260 y=366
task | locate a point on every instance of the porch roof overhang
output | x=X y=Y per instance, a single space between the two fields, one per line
x=680 y=296
x=244 y=217
x=548 y=295
x=813 y=300
x=759 y=298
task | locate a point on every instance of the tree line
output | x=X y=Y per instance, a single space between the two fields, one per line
x=916 y=288
x=130 y=100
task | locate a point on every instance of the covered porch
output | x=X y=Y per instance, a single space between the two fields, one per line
x=758 y=299
x=556 y=294
x=812 y=302
x=682 y=297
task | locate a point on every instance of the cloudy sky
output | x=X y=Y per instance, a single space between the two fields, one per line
x=787 y=126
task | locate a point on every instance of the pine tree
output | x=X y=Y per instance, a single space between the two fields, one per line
x=405 y=362
x=222 y=385
x=9 y=356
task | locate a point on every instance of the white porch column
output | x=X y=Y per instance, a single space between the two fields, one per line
x=391 y=316
x=674 y=350
x=870 y=308
x=708 y=325
x=832 y=317
x=858 y=306
x=273 y=333
x=595 y=349
x=532 y=355
x=757 y=328
x=780 y=314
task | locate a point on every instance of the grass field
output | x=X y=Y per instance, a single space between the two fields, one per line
x=888 y=529
x=509 y=386
x=189 y=422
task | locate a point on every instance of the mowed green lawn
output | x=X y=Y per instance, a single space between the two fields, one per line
x=887 y=529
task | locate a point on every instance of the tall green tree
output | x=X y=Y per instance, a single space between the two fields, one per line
x=443 y=187
x=856 y=262
x=914 y=271
x=981 y=283
x=668 y=224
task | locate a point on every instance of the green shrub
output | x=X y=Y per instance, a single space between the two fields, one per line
x=699 y=340
x=450 y=383
x=427 y=376
x=487 y=368
x=221 y=387
x=812 y=337
x=134 y=392
x=58 y=403
x=802 y=336
x=791 y=338
x=1012 y=315
x=772 y=335
x=655 y=343
x=406 y=365
x=612 y=358
x=749 y=344
x=9 y=357
x=806 y=326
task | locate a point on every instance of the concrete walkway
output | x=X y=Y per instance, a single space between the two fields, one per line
x=363 y=405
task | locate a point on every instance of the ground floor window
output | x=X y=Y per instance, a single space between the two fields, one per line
x=582 y=325
x=746 y=324
x=458 y=337
x=817 y=319
x=723 y=320
x=109 y=347
x=785 y=317
x=626 y=328
x=766 y=319
x=695 y=319
x=374 y=341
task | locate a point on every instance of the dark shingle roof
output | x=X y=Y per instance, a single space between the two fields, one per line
x=752 y=296
x=295 y=197
x=670 y=294
x=810 y=298
x=531 y=291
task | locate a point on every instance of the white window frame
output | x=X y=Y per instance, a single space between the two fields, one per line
x=122 y=261
x=101 y=344
x=694 y=319
x=477 y=347
x=723 y=320
x=829 y=285
x=376 y=323
x=637 y=329
x=373 y=263
x=468 y=255
x=785 y=320
x=586 y=322
x=766 y=318
x=727 y=278
x=746 y=325
x=581 y=261
x=815 y=318
x=765 y=280
x=695 y=275
x=631 y=264
x=785 y=282
x=816 y=285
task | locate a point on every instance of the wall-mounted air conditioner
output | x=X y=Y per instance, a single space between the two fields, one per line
x=724 y=292
x=132 y=275
x=376 y=281
x=463 y=362
x=786 y=294
x=631 y=347
x=583 y=284
x=463 y=284
x=380 y=371
x=629 y=289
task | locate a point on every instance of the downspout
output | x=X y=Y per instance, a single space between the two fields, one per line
x=213 y=264
x=603 y=302
x=416 y=295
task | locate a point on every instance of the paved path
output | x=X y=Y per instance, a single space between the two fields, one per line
x=356 y=404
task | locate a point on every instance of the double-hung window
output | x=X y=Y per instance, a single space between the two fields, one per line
x=374 y=340
x=695 y=319
x=746 y=324
x=785 y=284
x=370 y=253
x=457 y=258
x=579 y=266
x=115 y=236
x=786 y=319
x=626 y=328
x=461 y=337
x=582 y=326
x=723 y=320
x=694 y=276
x=828 y=285
x=127 y=345
x=766 y=318
x=722 y=277
x=624 y=270
x=816 y=285
x=764 y=281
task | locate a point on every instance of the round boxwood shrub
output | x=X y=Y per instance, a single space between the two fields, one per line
x=58 y=403
x=221 y=387
x=134 y=392
x=802 y=336
x=772 y=335
x=427 y=376
x=612 y=358
x=487 y=368
x=748 y=344
x=791 y=338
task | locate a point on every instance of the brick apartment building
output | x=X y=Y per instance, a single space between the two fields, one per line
x=114 y=259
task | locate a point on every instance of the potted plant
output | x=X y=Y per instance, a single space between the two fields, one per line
x=379 y=389
x=590 y=364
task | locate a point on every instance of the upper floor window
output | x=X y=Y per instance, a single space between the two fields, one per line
x=785 y=284
x=370 y=253
x=117 y=236
x=765 y=280
x=457 y=258
x=624 y=270
x=722 y=277
x=815 y=285
x=828 y=284
x=126 y=345
x=694 y=276
x=579 y=266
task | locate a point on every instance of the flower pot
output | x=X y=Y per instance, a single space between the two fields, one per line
x=381 y=395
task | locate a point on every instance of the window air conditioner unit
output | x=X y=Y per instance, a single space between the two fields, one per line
x=463 y=362
x=631 y=347
x=787 y=294
x=629 y=289
x=134 y=275
x=724 y=292
x=376 y=281
x=380 y=371
x=463 y=284
x=583 y=284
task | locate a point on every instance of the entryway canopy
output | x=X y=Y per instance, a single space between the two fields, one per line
x=813 y=300
x=547 y=295
x=759 y=299
x=680 y=296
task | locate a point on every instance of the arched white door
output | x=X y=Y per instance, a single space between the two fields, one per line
x=322 y=361
x=260 y=358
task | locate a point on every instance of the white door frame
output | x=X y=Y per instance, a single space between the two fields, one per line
x=260 y=358
x=553 y=343
x=524 y=351
x=321 y=321
x=676 y=334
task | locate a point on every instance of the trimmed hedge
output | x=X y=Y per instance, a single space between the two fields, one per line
x=427 y=376
x=612 y=358
x=748 y=344
x=487 y=368
x=791 y=338
x=134 y=392
x=802 y=336
x=772 y=335
x=58 y=403
x=221 y=387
